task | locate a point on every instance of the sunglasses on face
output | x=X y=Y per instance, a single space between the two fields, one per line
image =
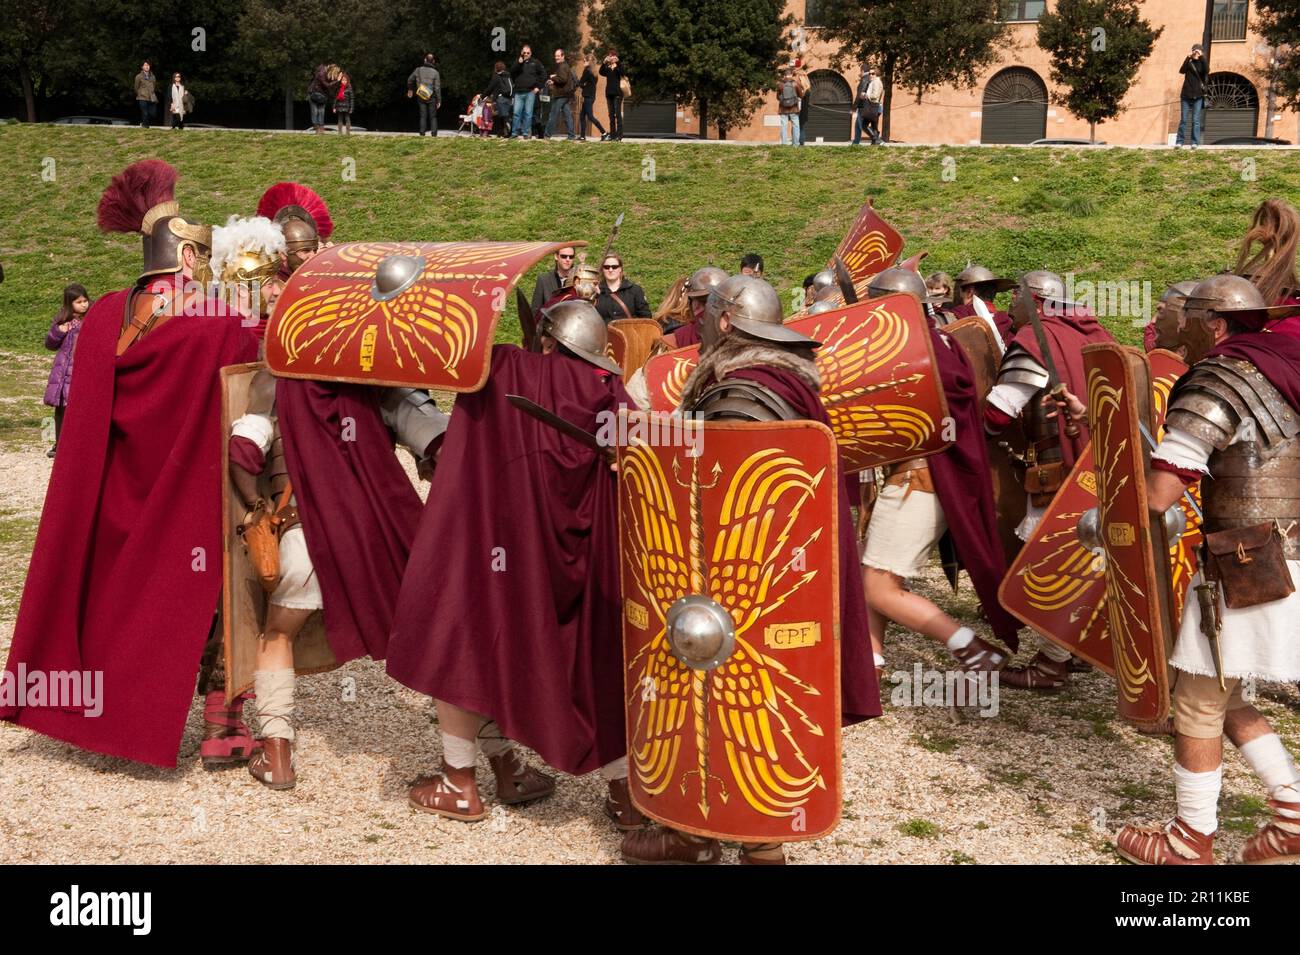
x=612 y=268
x=565 y=256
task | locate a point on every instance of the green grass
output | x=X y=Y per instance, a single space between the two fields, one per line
x=1106 y=215
x=919 y=828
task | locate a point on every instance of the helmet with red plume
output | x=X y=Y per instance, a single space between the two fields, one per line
x=140 y=199
x=303 y=217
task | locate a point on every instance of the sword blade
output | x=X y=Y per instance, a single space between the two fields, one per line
x=1187 y=496
x=559 y=424
x=845 y=281
x=527 y=321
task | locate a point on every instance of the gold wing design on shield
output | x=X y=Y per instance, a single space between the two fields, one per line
x=751 y=571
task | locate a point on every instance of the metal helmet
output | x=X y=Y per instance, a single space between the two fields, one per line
x=166 y=235
x=1170 y=328
x=824 y=279
x=577 y=326
x=979 y=275
x=829 y=293
x=898 y=279
x=246 y=254
x=585 y=280
x=1234 y=298
x=752 y=306
x=824 y=305
x=703 y=281
x=1045 y=284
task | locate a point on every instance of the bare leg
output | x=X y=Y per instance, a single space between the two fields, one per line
x=886 y=597
x=1243 y=725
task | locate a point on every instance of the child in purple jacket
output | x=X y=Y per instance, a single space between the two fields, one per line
x=63 y=339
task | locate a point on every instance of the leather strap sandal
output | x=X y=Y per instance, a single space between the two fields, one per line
x=762 y=853
x=517 y=782
x=618 y=806
x=1174 y=843
x=1278 y=840
x=979 y=656
x=664 y=846
x=451 y=792
x=1042 y=674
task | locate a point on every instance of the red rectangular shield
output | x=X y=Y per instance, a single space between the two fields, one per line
x=879 y=382
x=429 y=323
x=870 y=246
x=747 y=746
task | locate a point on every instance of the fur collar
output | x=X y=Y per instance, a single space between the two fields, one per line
x=738 y=350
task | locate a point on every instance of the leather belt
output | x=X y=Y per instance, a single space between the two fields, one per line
x=900 y=467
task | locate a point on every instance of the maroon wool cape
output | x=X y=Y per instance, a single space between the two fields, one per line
x=962 y=481
x=688 y=334
x=126 y=570
x=358 y=508
x=1066 y=336
x=859 y=685
x=510 y=606
x=1276 y=353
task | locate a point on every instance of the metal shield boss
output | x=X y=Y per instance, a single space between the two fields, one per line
x=730 y=575
x=414 y=314
x=878 y=380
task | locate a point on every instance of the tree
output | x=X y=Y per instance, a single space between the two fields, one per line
x=715 y=56
x=33 y=42
x=917 y=44
x=1278 y=22
x=1096 y=48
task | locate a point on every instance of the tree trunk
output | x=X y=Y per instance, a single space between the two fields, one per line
x=288 y=107
x=29 y=94
x=704 y=119
x=888 y=77
x=1092 y=132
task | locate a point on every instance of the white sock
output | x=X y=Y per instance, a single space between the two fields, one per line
x=880 y=660
x=274 y=689
x=961 y=638
x=491 y=741
x=1198 y=797
x=1053 y=652
x=1273 y=765
x=459 y=753
x=615 y=770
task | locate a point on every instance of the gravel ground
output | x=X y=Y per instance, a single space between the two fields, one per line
x=1042 y=781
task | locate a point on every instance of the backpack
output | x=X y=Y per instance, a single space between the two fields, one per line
x=789 y=97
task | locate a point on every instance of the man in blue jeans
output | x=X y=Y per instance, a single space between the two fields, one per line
x=1195 y=73
x=529 y=76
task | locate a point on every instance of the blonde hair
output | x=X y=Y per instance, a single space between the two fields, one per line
x=676 y=306
x=1275 y=228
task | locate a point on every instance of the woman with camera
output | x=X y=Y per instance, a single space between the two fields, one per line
x=616 y=87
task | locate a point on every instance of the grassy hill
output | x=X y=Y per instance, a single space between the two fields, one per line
x=1106 y=215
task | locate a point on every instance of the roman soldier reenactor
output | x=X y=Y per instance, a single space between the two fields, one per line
x=976 y=290
x=1232 y=424
x=755 y=368
x=126 y=569
x=924 y=498
x=509 y=613
x=1054 y=441
x=303 y=218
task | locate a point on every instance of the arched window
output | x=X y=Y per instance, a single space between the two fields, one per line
x=1015 y=107
x=830 y=108
x=1231 y=108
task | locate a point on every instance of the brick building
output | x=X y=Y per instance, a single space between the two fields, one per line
x=1010 y=103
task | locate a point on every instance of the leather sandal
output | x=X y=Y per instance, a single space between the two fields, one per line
x=762 y=853
x=451 y=792
x=980 y=656
x=517 y=782
x=1278 y=840
x=1043 y=674
x=273 y=766
x=1174 y=843
x=618 y=806
x=664 y=846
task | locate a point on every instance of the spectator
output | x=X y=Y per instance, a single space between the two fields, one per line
x=528 y=76
x=63 y=338
x=319 y=91
x=562 y=85
x=752 y=264
x=809 y=292
x=803 y=84
x=343 y=103
x=146 y=93
x=588 y=86
x=550 y=282
x=176 y=97
x=871 y=91
x=619 y=298
x=675 y=311
x=426 y=86
x=941 y=285
x=1195 y=73
x=500 y=91
x=787 y=106
x=616 y=87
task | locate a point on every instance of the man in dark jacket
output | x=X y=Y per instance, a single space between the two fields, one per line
x=562 y=83
x=424 y=79
x=552 y=280
x=1195 y=73
x=529 y=76
x=146 y=95
x=619 y=298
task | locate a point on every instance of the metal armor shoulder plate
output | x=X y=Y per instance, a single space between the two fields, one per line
x=413 y=416
x=735 y=399
x=1218 y=394
x=1020 y=367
